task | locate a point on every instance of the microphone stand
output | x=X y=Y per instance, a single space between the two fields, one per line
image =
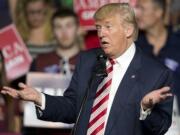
x=99 y=72
x=83 y=104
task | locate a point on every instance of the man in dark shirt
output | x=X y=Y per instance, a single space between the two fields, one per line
x=62 y=60
x=158 y=40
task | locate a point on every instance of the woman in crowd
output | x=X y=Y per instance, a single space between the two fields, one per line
x=32 y=18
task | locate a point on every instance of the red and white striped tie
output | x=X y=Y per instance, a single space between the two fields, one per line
x=96 y=124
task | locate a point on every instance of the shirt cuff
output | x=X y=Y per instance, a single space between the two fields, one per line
x=42 y=107
x=144 y=114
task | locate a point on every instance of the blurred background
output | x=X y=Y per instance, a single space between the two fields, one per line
x=50 y=34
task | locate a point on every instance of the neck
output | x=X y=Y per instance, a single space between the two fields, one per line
x=156 y=31
x=37 y=36
x=68 y=53
x=128 y=44
x=157 y=37
x=37 y=30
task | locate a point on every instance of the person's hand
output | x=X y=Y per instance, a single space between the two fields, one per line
x=154 y=97
x=25 y=93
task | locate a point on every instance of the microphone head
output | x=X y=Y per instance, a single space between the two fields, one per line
x=101 y=65
x=101 y=55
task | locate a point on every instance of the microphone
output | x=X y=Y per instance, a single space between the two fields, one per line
x=101 y=65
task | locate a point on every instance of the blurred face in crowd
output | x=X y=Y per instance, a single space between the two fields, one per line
x=148 y=14
x=113 y=35
x=65 y=30
x=36 y=13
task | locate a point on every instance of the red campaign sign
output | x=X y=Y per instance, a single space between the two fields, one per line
x=17 y=59
x=85 y=10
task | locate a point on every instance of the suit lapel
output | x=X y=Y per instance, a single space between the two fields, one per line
x=123 y=92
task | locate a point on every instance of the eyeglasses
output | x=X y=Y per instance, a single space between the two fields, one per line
x=36 y=12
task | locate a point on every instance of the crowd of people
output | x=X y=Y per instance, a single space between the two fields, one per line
x=52 y=33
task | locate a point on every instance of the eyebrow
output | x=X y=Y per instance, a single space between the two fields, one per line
x=106 y=22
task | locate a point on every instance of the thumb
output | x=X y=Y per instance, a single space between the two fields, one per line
x=22 y=85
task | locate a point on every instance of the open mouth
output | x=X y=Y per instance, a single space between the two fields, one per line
x=104 y=43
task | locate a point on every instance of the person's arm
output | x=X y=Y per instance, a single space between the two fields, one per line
x=57 y=108
x=160 y=102
x=62 y=108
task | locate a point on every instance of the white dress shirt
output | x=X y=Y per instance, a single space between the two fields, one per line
x=119 y=69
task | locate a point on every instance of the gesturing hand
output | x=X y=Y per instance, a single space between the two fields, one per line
x=154 y=97
x=25 y=93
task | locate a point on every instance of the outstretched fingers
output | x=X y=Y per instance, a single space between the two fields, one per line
x=164 y=90
x=10 y=91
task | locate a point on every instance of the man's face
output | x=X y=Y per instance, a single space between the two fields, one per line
x=147 y=14
x=65 y=31
x=112 y=35
x=36 y=13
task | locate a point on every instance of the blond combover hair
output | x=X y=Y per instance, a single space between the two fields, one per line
x=125 y=11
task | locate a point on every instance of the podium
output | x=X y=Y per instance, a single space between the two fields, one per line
x=52 y=84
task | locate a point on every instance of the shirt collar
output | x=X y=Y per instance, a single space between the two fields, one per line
x=125 y=59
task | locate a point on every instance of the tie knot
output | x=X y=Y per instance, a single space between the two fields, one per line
x=111 y=61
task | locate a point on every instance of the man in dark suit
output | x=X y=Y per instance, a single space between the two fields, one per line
x=123 y=96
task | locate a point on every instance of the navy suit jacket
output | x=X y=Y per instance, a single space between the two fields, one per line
x=148 y=75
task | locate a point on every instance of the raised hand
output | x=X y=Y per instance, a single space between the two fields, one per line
x=154 y=97
x=26 y=93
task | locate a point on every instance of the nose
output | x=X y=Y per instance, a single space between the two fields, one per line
x=101 y=33
x=138 y=12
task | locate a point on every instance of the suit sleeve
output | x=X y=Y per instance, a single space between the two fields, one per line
x=158 y=122
x=62 y=108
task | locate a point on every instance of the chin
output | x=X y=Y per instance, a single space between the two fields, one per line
x=66 y=46
x=142 y=27
x=107 y=51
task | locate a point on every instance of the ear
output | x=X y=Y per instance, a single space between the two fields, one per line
x=129 y=31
